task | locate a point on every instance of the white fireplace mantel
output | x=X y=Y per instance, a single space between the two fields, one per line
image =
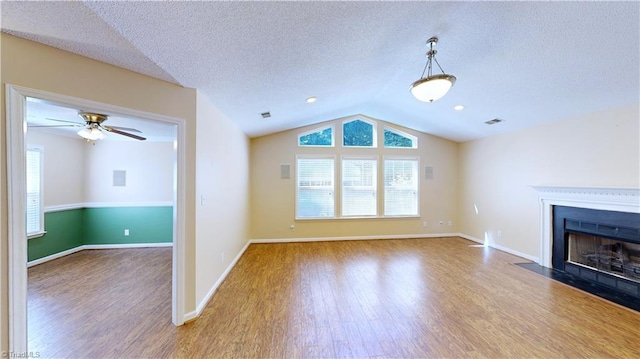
x=604 y=198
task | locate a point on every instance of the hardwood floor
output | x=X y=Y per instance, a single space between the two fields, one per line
x=99 y=303
x=422 y=298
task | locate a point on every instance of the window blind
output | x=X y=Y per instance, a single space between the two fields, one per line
x=359 y=187
x=315 y=188
x=35 y=214
x=401 y=187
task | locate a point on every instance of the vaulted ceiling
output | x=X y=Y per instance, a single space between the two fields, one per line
x=523 y=62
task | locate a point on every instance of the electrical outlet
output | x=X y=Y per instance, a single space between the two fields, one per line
x=126 y=232
x=425 y=224
x=292 y=227
x=441 y=223
x=222 y=257
x=450 y=223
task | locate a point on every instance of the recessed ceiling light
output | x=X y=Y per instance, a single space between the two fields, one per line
x=458 y=107
x=312 y=99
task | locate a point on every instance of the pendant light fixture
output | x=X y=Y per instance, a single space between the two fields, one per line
x=432 y=87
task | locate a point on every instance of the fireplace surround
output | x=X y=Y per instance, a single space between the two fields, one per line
x=602 y=247
x=599 y=239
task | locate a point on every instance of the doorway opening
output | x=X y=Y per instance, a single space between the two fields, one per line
x=17 y=100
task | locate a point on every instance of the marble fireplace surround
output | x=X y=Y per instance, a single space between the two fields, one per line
x=604 y=198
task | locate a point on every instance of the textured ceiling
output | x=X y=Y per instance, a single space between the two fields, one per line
x=524 y=62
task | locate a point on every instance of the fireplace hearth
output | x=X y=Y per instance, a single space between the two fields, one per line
x=598 y=246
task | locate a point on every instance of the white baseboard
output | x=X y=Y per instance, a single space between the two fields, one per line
x=353 y=238
x=54 y=256
x=501 y=248
x=474 y=239
x=95 y=246
x=127 y=245
x=191 y=315
x=400 y=236
x=203 y=303
x=515 y=253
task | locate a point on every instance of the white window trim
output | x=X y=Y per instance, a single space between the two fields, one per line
x=400 y=157
x=41 y=230
x=374 y=134
x=335 y=188
x=413 y=138
x=380 y=168
x=36 y=234
x=319 y=129
x=412 y=158
x=377 y=185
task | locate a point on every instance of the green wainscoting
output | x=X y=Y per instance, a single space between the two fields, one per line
x=64 y=231
x=105 y=225
x=145 y=225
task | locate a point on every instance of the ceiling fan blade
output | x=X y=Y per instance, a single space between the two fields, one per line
x=74 y=123
x=126 y=129
x=111 y=129
x=45 y=126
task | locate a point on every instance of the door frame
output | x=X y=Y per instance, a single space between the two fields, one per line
x=16 y=100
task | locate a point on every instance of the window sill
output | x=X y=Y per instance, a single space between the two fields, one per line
x=36 y=234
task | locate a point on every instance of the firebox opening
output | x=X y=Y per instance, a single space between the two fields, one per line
x=606 y=255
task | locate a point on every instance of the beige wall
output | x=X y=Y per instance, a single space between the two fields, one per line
x=222 y=187
x=77 y=172
x=41 y=67
x=64 y=171
x=148 y=166
x=273 y=199
x=496 y=173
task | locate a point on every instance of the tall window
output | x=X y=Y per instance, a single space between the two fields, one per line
x=35 y=210
x=401 y=187
x=346 y=180
x=315 y=197
x=359 y=186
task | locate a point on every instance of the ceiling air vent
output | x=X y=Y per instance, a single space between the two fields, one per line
x=494 y=121
x=265 y=114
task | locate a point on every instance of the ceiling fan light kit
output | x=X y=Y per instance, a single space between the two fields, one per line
x=432 y=87
x=91 y=134
x=95 y=130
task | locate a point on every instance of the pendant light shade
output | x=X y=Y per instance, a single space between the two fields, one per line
x=432 y=87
